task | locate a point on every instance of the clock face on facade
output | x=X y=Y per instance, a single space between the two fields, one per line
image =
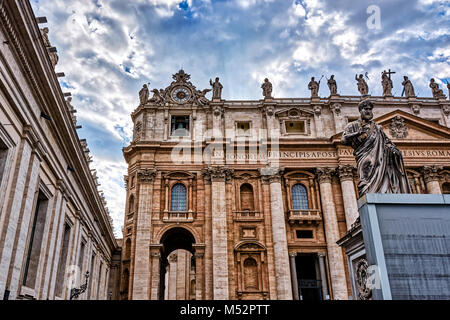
x=181 y=94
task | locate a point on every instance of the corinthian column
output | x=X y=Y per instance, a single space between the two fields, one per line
x=282 y=268
x=336 y=260
x=348 y=194
x=143 y=229
x=431 y=177
x=219 y=230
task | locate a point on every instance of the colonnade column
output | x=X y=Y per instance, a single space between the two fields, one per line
x=141 y=290
x=155 y=257
x=336 y=260
x=218 y=174
x=431 y=177
x=272 y=175
x=199 y=271
x=293 y=265
x=348 y=194
x=323 y=275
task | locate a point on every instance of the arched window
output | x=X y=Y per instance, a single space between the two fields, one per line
x=178 y=199
x=446 y=188
x=247 y=203
x=250 y=274
x=127 y=249
x=299 y=197
x=131 y=204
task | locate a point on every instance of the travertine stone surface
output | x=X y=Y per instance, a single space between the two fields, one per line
x=335 y=258
x=219 y=240
x=282 y=268
x=348 y=193
x=142 y=263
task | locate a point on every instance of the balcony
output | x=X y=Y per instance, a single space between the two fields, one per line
x=178 y=216
x=304 y=216
x=247 y=216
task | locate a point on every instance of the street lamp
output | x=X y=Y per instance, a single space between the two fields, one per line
x=75 y=292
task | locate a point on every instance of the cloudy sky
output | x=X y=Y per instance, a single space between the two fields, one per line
x=109 y=48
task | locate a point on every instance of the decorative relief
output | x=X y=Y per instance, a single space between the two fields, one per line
x=336 y=108
x=248 y=233
x=446 y=110
x=146 y=175
x=345 y=172
x=317 y=110
x=324 y=174
x=137 y=131
x=431 y=173
x=415 y=109
x=218 y=111
x=398 y=128
x=269 y=111
x=364 y=292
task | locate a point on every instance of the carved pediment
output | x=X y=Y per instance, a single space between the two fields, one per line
x=400 y=125
x=178 y=175
x=294 y=113
x=249 y=246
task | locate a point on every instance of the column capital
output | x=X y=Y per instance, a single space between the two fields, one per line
x=271 y=174
x=431 y=173
x=146 y=175
x=218 y=173
x=324 y=174
x=321 y=254
x=345 y=172
x=292 y=254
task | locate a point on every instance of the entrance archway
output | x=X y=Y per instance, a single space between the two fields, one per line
x=179 y=262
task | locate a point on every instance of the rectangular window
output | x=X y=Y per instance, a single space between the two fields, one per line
x=81 y=259
x=3 y=156
x=243 y=128
x=62 y=262
x=179 y=126
x=295 y=127
x=99 y=280
x=35 y=242
x=304 y=234
x=91 y=271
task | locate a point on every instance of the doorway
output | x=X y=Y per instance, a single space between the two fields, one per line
x=308 y=276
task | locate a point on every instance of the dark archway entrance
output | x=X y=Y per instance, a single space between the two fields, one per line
x=309 y=283
x=177 y=240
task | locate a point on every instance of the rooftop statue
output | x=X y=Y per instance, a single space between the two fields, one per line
x=408 y=87
x=314 y=87
x=143 y=95
x=386 y=82
x=332 y=85
x=363 y=88
x=437 y=93
x=267 y=89
x=380 y=163
x=217 y=88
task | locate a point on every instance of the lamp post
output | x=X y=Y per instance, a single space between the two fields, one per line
x=75 y=292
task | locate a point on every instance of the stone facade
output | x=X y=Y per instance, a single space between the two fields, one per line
x=53 y=223
x=258 y=191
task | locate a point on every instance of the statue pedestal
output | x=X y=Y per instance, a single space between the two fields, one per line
x=400 y=250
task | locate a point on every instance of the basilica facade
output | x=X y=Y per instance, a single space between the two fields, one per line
x=237 y=200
